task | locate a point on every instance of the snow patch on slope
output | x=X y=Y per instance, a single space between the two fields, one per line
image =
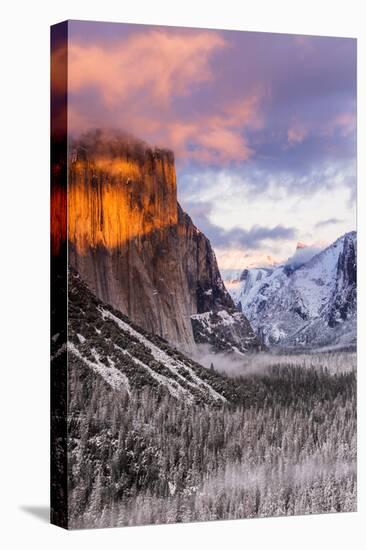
x=113 y=376
x=172 y=364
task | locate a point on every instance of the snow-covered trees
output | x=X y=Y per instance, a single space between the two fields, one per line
x=287 y=446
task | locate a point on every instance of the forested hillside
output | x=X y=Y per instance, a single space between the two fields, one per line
x=289 y=447
x=154 y=437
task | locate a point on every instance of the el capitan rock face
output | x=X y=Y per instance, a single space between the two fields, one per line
x=133 y=244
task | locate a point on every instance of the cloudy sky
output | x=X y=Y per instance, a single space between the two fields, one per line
x=263 y=126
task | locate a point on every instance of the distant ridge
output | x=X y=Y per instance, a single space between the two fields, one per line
x=309 y=305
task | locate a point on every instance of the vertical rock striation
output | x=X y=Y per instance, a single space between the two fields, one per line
x=343 y=305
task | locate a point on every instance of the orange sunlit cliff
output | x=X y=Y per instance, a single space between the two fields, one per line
x=114 y=200
x=131 y=242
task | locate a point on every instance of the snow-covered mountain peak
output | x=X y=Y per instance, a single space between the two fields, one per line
x=310 y=304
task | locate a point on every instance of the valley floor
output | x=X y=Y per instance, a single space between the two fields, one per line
x=286 y=446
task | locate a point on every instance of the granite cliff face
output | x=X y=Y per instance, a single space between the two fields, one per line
x=133 y=244
x=344 y=301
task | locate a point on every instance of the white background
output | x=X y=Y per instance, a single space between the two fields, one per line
x=24 y=289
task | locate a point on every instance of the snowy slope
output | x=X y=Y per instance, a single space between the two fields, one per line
x=127 y=358
x=310 y=305
x=249 y=279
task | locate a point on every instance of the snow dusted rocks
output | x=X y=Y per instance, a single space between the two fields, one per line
x=105 y=344
x=311 y=305
x=224 y=331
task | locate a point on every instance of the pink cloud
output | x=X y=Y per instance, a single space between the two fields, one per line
x=237 y=258
x=345 y=123
x=296 y=135
x=137 y=81
x=160 y=62
x=218 y=138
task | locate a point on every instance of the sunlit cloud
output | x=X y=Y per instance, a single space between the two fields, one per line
x=344 y=123
x=263 y=127
x=218 y=138
x=160 y=63
x=133 y=84
x=296 y=134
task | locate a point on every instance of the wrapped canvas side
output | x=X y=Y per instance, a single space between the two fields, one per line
x=59 y=515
